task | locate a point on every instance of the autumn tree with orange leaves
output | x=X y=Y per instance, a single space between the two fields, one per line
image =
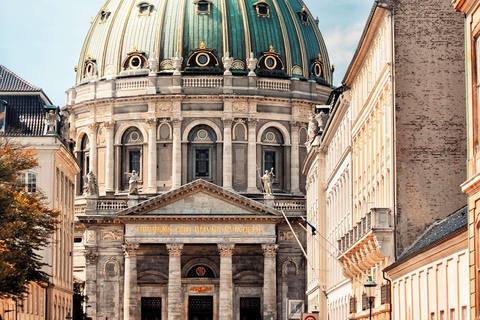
x=26 y=222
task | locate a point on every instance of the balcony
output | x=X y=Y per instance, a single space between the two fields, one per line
x=369 y=242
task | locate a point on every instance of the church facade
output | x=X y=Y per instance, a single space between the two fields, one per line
x=189 y=121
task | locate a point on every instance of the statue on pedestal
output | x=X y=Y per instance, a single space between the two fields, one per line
x=132 y=182
x=90 y=187
x=51 y=119
x=267 y=180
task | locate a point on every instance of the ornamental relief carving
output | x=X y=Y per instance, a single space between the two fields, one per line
x=100 y=111
x=270 y=250
x=112 y=235
x=305 y=112
x=284 y=266
x=164 y=106
x=226 y=250
x=91 y=257
x=90 y=236
x=240 y=106
x=175 y=249
x=130 y=249
x=111 y=268
x=286 y=236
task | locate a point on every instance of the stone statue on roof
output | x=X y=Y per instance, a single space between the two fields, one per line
x=51 y=121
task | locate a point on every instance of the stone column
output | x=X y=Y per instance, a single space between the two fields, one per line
x=227 y=154
x=174 y=307
x=177 y=154
x=130 y=295
x=226 y=284
x=109 y=166
x=93 y=148
x=252 y=156
x=270 y=282
x=152 y=156
x=295 y=159
x=91 y=259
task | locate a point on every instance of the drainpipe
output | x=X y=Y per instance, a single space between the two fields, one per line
x=390 y=300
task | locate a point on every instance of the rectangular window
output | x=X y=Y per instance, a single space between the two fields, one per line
x=202 y=162
x=250 y=309
x=452 y=314
x=269 y=161
x=135 y=161
x=464 y=313
x=29 y=182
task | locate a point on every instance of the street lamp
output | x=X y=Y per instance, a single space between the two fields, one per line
x=69 y=316
x=370 y=286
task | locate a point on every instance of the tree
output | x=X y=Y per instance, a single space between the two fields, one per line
x=26 y=222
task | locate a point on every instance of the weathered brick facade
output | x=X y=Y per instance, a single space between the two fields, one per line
x=430 y=115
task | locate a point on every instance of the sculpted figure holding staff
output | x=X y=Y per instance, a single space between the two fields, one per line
x=267 y=180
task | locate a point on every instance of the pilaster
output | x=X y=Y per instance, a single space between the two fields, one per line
x=295 y=159
x=270 y=281
x=252 y=156
x=130 y=307
x=91 y=259
x=226 y=287
x=174 y=307
x=109 y=167
x=177 y=153
x=227 y=153
x=152 y=156
x=93 y=128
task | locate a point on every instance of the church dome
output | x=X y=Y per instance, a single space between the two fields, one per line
x=127 y=37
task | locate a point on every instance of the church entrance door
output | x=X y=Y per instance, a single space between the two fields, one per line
x=200 y=307
x=151 y=308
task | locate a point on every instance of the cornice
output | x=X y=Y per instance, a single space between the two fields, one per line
x=472 y=185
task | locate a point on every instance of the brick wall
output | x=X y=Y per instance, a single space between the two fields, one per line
x=430 y=114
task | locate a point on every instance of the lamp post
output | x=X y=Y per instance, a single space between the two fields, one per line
x=69 y=316
x=370 y=290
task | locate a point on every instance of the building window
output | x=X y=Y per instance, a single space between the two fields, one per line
x=202 y=162
x=203 y=6
x=29 y=182
x=144 y=8
x=263 y=8
x=104 y=15
x=132 y=151
x=200 y=271
x=202 y=154
x=151 y=308
x=269 y=161
x=272 y=155
x=250 y=309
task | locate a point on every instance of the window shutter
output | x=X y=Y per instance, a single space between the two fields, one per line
x=365 y=305
x=353 y=305
x=385 y=294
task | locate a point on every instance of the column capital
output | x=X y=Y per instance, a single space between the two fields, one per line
x=91 y=257
x=151 y=121
x=130 y=249
x=226 y=249
x=227 y=122
x=109 y=125
x=177 y=122
x=93 y=127
x=270 y=250
x=295 y=125
x=175 y=249
x=252 y=121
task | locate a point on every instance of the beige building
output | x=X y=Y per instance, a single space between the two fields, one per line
x=190 y=121
x=405 y=87
x=472 y=47
x=429 y=280
x=24 y=119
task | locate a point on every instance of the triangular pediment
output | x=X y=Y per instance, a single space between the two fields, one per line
x=200 y=198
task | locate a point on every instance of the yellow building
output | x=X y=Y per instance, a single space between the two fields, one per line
x=471 y=187
x=24 y=107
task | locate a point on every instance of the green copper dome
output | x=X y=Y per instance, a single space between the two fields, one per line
x=136 y=34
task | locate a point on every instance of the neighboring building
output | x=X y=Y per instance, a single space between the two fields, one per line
x=430 y=278
x=407 y=143
x=471 y=13
x=23 y=117
x=171 y=92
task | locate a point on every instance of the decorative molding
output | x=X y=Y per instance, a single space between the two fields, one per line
x=284 y=266
x=151 y=121
x=117 y=270
x=175 y=249
x=112 y=235
x=270 y=250
x=227 y=122
x=226 y=249
x=109 y=125
x=130 y=249
x=91 y=257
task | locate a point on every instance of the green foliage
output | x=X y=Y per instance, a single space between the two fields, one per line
x=26 y=222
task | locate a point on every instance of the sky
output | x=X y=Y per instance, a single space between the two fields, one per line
x=40 y=41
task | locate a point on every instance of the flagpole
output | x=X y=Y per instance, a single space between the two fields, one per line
x=306 y=257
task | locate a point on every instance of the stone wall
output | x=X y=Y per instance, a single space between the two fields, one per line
x=430 y=114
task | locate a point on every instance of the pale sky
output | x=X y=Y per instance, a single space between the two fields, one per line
x=41 y=40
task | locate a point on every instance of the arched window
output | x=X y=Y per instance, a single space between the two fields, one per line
x=83 y=157
x=202 y=154
x=131 y=155
x=273 y=155
x=200 y=271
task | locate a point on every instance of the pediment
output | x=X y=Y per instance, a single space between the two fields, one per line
x=200 y=198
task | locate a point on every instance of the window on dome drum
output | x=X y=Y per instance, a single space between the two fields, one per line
x=203 y=6
x=131 y=155
x=202 y=154
x=144 y=9
x=263 y=8
x=104 y=16
x=272 y=155
x=29 y=182
x=84 y=161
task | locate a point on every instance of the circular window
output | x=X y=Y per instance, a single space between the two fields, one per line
x=318 y=70
x=270 y=137
x=134 y=136
x=89 y=69
x=203 y=59
x=202 y=135
x=200 y=271
x=135 y=62
x=270 y=62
